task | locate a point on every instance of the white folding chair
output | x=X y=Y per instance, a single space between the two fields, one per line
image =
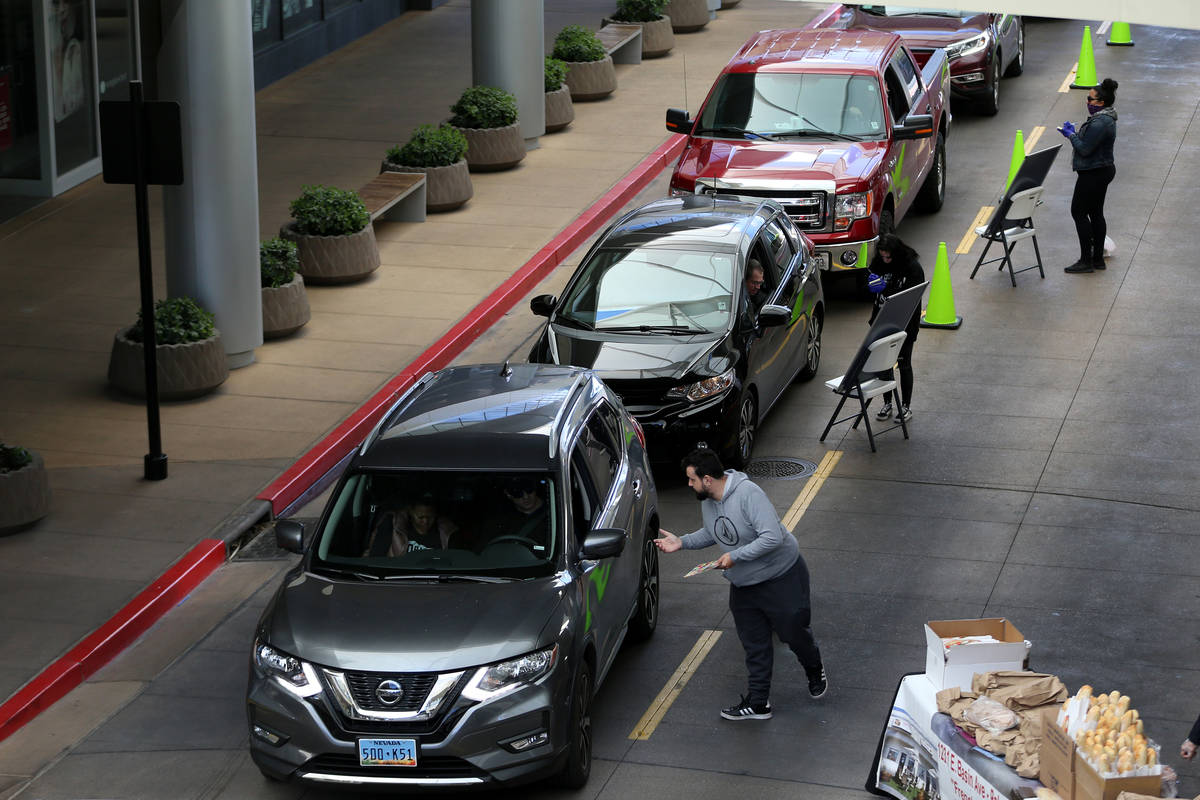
x=867 y=385
x=1009 y=228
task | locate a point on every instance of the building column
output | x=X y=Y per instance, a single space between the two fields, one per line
x=508 y=50
x=206 y=64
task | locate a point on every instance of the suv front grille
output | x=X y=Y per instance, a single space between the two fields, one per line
x=808 y=208
x=416 y=688
x=427 y=767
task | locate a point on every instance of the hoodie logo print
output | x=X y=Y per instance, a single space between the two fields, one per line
x=725 y=531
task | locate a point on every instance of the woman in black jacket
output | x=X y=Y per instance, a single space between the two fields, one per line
x=1095 y=169
x=895 y=268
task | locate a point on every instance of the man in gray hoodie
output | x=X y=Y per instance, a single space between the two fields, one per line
x=768 y=578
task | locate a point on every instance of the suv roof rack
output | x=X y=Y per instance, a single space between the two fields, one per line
x=403 y=400
x=556 y=427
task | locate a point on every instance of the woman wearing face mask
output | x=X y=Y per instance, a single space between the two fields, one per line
x=1093 y=163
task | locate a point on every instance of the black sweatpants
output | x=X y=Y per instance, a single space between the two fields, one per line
x=1087 y=209
x=779 y=606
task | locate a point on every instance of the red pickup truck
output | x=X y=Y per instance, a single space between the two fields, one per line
x=841 y=127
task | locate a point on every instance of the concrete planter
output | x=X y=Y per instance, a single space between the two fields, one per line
x=184 y=370
x=335 y=259
x=657 y=37
x=285 y=308
x=24 y=496
x=494 y=149
x=446 y=188
x=560 y=111
x=591 y=80
x=687 y=15
x=729 y=4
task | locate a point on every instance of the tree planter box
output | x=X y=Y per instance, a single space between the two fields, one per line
x=446 y=188
x=657 y=37
x=494 y=149
x=184 y=370
x=687 y=15
x=591 y=80
x=24 y=496
x=285 y=308
x=560 y=111
x=335 y=259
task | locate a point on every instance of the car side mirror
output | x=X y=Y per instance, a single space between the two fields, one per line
x=915 y=126
x=771 y=315
x=543 y=304
x=289 y=535
x=603 y=543
x=678 y=121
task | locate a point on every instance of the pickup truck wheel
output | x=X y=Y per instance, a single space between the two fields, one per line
x=933 y=192
x=990 y=104
x=1018 y=64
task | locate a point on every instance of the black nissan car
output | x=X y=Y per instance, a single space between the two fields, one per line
x=699 y=346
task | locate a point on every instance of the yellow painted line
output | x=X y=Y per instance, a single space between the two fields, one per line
x=985 y=213
x=1066 y=84
x=674 y=686
x=824 y=469
x=1034 y=135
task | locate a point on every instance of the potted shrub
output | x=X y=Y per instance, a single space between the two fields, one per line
x=284 y=301
x=191 y=359
x=687 y=15
x=590 y=71
x=440 y=153
x=24 y=489
x=560 y=111
x=657 y=36
x=333 y=231
x=487 y=117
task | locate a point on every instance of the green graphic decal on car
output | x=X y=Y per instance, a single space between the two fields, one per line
x=598 y=578
x=900 y=183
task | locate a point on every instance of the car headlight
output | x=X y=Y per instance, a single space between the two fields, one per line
x=705 y=388
x=849 y=207
x=491 y=682
x=967 y=47
x=297 y=676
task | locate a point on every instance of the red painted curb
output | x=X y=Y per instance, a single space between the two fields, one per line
x=311 y=466
x=104 y=643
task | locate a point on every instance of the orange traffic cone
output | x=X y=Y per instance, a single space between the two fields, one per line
x=940 y=311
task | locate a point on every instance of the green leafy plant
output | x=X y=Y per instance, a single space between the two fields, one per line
x=13 y=458
x=278 y=262
x=484 y=107
x=556 y=73
x=177 y=320
x=326 y=211
x=577 y=43
x=430 y=147
x=639 y=10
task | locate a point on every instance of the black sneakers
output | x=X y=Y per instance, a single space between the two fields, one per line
x=1079 y=266
x=817 y=683
x=884 y=412
x=743 y=710
x=903 y=414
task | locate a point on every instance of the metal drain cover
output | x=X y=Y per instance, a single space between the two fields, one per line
x=780 y=469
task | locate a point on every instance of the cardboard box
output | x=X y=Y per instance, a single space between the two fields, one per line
x=1065 y=771
x=955 y=667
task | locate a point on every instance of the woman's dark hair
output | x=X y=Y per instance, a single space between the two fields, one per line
x=1107 y=92
x=704 y=462
x=890 y=243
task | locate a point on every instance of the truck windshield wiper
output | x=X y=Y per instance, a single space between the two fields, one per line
x=450 y=578
x=845 y=137
x=655 y=329
x=572 y=322
x=731 y=129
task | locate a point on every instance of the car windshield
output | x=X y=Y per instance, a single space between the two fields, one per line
x=409 y=525
x=913 y=11
x=652 y=289
x=777 y=105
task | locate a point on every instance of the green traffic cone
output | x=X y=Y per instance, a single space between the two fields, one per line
x=864 y=259
x=1085 y=73
x=1018 y=158
x=940 y=311
x=1119 y=35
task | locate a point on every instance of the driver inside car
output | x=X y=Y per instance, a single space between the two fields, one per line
x=525 y=517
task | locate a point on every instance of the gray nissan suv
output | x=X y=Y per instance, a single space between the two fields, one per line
x=468 y=585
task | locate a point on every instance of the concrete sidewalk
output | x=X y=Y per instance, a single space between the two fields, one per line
x=70 y=278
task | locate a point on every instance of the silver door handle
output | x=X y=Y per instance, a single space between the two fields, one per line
x=637 y=488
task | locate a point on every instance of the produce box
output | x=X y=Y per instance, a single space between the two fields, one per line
x=1068 y=773
x=954 y=666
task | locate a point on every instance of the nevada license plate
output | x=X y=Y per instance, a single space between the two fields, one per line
x=387 y=752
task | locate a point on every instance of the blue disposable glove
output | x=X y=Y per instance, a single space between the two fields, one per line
x=1068 y=129
x=876 y=283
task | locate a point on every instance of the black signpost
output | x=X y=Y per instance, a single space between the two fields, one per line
x=141 y=145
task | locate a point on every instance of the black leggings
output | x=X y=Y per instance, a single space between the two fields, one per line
x=1087 y=209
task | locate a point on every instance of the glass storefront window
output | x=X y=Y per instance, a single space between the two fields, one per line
x=299 y=14
x=20 y=149
x=264 y=21
x=114 y=48
x=72 y=82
